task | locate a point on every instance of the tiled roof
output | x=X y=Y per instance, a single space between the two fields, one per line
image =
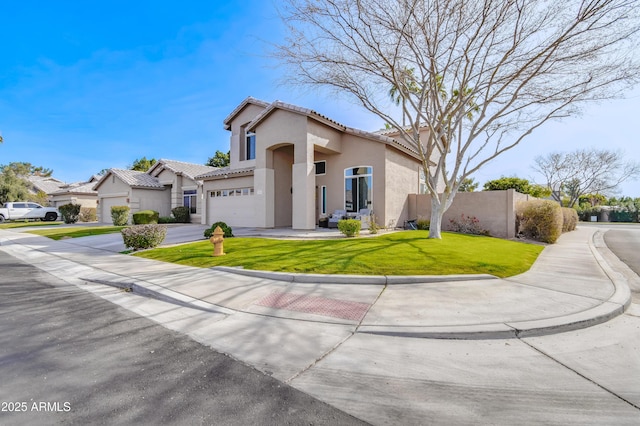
x=45 y=184
x=134 y=179
x=77 y=188
x=377 y=136
x=189 y=170
x=293 y=108
x=249 y=100
x=225 y=172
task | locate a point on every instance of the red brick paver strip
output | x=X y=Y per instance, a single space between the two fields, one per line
x=324 y=306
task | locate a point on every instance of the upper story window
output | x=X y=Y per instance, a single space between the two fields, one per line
x=423 y=182
x=250 y=147
x=321 y=167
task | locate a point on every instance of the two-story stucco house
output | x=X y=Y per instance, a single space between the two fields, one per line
x=290 y=166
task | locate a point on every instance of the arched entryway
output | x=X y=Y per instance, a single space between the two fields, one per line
x=282 y=163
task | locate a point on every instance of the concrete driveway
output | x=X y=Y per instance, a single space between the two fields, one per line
x=176 y=234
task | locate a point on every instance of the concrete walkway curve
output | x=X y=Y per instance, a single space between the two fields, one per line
x=574 y=284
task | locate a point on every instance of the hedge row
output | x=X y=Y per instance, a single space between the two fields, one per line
x=545 y=220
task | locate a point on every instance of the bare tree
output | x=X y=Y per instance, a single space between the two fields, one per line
x=480 y=75
x=585 y=171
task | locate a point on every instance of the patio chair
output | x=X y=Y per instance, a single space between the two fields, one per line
x=364 y=216
x=335 y=217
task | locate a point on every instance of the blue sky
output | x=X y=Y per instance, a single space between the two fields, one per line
x=86 y=86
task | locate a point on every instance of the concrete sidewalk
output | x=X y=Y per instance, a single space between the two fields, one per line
x=574 y=284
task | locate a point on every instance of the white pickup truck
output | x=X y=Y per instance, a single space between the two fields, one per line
x=22 y=210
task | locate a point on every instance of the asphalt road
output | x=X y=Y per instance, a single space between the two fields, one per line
x=625 y=243
x=67 y=356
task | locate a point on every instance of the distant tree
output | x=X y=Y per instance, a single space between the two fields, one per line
x=14 y=183
x=522 y=186
x=26 y=169
x=220 y=159
x=585 y=171
x=142 y=164
x=12 y=186
x=468 y=185
x=592 y=199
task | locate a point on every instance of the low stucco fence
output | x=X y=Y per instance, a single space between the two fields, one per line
x=496 y=210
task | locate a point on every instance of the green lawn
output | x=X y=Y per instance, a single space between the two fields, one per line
x=401 y=253
x=76 y=231
x=24 y=223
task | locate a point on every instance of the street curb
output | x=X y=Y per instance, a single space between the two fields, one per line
x=616 y=305
x=163 y=294
x=352 y=279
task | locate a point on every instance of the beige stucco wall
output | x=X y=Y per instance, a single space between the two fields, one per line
x=243 y=118
x=355 y=152
x=284 y=160
x=135 y=198
x=402 y=178
x=494 y=209
x=178 y=185
x=111 y=189
x=88 y=200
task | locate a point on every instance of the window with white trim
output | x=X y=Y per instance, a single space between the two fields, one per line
x=358 y=188
x=189 y=198
x=250 y=147
x=321 y=167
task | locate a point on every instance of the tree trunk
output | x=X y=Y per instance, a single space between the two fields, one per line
x=437 y=212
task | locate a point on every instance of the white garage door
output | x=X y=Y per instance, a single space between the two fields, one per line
x=105 y=207
x=235 y=210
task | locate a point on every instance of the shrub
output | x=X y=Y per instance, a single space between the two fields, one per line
x=88 y=214
x=120 y=215
x=467 y=225
x=373 y=225
x=182 y=215
x=540 y=220
x=349 y=227
x=569 y=219
x=140 y=237
x=166 y=219
x=423 y=224
x=228 y=232
x=145 y=217
x=70 y=212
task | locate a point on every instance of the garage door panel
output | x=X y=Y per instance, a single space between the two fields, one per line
x=105 y=207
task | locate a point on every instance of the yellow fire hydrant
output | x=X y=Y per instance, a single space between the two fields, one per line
x=217 y=239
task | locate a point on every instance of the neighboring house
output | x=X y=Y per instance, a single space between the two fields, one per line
x=47 y=185
x=167 y=184
x=291 y=166
x=76 y=193
x=179 y=177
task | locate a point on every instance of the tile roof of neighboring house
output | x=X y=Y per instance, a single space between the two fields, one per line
x=189 y=170
x=225 y=172
x=133 y=178
x=45 y=184
x=77 y=188
x=247 y=101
